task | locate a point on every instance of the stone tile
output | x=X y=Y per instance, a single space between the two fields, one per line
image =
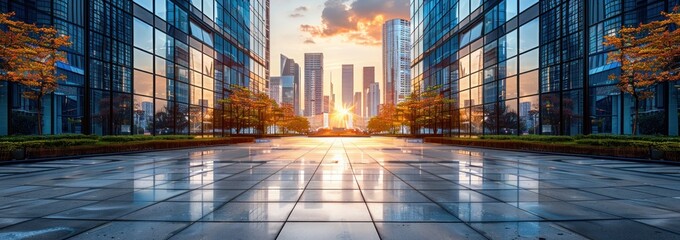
x=617 y=229
x=410 y=212
x=332 y=196
x=47 y=229
x=526 y=231
x=330 y=230
x=140 y=230
x=405 y=231
x=328 y=211
x=173 y=211
x=489 y=212
x=251 y=212
x=234 y=230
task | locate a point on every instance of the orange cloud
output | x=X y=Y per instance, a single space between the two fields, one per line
x=359 y=21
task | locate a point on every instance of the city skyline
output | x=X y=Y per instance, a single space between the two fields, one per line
x=293 y=19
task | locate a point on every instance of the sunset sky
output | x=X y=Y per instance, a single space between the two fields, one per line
x=345 y=31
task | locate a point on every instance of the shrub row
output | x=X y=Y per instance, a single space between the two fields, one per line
x=133 y=138
x=46 y=137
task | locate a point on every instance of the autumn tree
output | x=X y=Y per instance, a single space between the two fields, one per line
x=649 y=54
x=238 y=107
x=28 y=56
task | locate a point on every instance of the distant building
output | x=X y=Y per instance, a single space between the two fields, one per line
x=290 y=68
x=347 y=85
x=396 y=61
x=275 y=89
x=313 y=83
x=368 y=79
x=287 y=90
x=373 y=100
x=331 y=104
x=357 y=104
x=326 y=104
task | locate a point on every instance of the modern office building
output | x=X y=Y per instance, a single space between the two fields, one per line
x=142 y=66
x=347 y=85
x=287 y=90
x=357 y=105
x=373 y=100
x=275 y=89
x=326 y=104
x=396 y=47
x=368 y=79
x=290 y=68
x=313 y=84
x=533 y=67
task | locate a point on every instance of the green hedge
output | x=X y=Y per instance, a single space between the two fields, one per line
x=46 y=137
x=133 y=138
x=530 y=138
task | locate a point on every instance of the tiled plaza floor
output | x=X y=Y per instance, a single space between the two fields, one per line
x=328 y=188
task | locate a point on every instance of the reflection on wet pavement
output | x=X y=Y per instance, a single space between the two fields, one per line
x=339 y=188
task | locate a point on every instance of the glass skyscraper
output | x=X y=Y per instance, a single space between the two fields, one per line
x=532 y=67
x=396 y=60
x=144 y=66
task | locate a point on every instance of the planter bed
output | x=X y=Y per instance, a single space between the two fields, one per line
x=563 y=147
x=118 y=147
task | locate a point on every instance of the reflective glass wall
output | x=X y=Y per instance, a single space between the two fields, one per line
x=524 y=67
x=144 y=66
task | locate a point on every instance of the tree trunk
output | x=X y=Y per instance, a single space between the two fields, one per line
x=40 y=112
x=637 y=114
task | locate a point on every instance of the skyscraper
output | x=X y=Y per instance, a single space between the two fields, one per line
x=313 y=84
x=357 y=104
x=373 y=100
x=347 y=85
x=290 y=68
x=326 y=104
x=287 y=90
x=533 y=67
x=368 y=79
x=396 y=61
x=275 y=89
x=177 y=58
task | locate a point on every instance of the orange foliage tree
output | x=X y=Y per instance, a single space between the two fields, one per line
x=649 y=54
x=29 y=55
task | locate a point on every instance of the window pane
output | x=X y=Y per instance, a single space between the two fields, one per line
x=510 y=9
x=528 y=83
x=524 y=4
x=122 y=114
x=528 y=61
x=528 y=114
x=164 y=117
x=143 y=35
x=143 y=60
x=476 y=61
x=143 y=115
x=508 y=68
x=148 y=4
x=143 y=83
x=162 y=9
x=162 y=88
x=528 y=35
x=509 y=88
x=508 y=118
x=163 y=46
x=161 y=67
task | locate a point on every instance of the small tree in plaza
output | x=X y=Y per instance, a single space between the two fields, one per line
x=649 y=54
x=28 y=56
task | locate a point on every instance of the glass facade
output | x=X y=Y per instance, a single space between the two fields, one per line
x=532 y=67
x=396 y=74
x=144 y=66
